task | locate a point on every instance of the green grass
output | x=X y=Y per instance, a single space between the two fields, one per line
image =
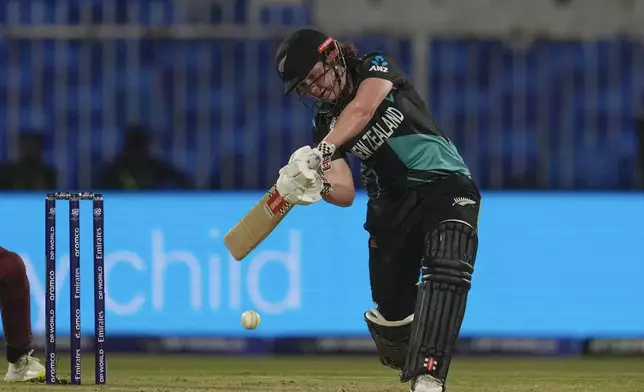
x=346 y=374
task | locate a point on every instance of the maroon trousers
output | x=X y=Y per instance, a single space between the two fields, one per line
x=15 y=304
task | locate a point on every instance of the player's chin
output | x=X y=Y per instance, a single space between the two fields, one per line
x=329 y=96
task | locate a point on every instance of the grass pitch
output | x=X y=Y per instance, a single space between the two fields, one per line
x=346 y=374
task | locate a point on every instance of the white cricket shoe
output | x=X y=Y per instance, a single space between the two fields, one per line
x=426 y=383
x=27 y=368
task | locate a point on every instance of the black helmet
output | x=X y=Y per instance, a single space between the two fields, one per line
x=298 y=54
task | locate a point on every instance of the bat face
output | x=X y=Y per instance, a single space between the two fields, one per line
x=257 y=224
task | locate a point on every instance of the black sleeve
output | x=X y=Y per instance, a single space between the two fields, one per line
x=382 y=66
x=321 y=128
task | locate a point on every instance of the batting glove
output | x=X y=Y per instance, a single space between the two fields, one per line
x=326 y=186
x=316 y=158
x=324 y=151
x=299 y=184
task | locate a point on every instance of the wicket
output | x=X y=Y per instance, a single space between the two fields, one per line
x=100 y=366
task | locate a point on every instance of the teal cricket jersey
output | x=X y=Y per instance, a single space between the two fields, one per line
x=402 y=146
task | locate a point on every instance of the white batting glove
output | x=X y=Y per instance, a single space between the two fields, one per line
x=324 y=151
x=299 y=184
x=316 y=158
x=305 y=154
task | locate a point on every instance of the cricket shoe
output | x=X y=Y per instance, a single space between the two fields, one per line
x=426 y=383
x=27 y=368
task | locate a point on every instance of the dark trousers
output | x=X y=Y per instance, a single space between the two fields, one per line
x=15 y=304
x=398 y=226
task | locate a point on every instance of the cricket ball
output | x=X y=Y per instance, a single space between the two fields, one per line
x=250 y=319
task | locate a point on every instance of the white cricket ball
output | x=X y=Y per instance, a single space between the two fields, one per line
x=250 y=319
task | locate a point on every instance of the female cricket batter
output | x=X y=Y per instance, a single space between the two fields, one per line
x=423 y=206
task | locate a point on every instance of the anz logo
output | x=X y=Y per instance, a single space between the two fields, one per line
x=379 y=64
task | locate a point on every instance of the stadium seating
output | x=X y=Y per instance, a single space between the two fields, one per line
x=502 y=105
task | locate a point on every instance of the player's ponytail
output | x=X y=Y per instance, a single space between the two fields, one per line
x=349 y=50
x=351 y=57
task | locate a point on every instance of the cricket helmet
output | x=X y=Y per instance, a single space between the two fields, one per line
x=299 y=52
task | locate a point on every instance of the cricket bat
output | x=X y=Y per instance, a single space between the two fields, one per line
x=257 y=224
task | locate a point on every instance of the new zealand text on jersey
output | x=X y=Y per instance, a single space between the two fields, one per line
x=378 y=134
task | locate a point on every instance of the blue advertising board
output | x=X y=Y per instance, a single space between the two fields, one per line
x=549 y=265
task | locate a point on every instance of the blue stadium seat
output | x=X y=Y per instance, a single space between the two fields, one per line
x=567 y=90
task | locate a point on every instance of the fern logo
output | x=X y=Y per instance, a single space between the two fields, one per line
x=463 y=201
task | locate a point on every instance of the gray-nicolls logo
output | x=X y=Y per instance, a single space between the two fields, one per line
x=463 y=201
x=430 y=364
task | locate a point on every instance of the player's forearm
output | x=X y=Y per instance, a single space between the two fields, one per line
x=352 y=121
x=341 y=195
x=343 y=191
